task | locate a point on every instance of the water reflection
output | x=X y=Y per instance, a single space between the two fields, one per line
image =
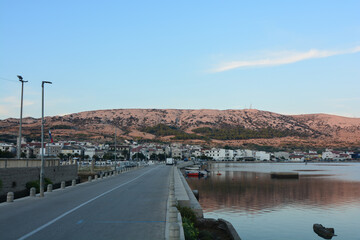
x=246 y=197
x=256 y=192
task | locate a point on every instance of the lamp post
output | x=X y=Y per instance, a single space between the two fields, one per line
x=115 y=148
x=18 y=153
x=42 y=142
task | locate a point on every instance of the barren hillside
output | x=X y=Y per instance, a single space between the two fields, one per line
x=234 y=127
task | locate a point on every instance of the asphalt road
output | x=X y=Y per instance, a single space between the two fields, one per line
x=131 y=205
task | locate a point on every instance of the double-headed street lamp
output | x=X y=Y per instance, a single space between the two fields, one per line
x=42 y=142
x=18 y=153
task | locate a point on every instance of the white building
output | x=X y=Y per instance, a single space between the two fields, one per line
x=262 y=156
x=219 y=154
x=90 y=151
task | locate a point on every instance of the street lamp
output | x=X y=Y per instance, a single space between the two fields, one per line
x=42 y=142
x=115 y=149
x=18 y=153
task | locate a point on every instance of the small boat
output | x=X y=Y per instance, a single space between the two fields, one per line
x=192 y=168
x=194 y=173
x=284 y=175
x=323 y=232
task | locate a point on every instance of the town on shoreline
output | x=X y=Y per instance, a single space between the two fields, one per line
x=106 y=154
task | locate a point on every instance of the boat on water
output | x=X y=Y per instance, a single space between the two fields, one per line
x=284 y=175
x=195 y=167
x=196 y=173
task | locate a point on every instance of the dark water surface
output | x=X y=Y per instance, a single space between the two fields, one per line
x=279 y=209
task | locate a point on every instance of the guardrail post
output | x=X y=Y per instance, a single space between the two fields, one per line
x=10 y=197
x=49 y=187
x=174 y=231
x=63 y=185
x=32 y=192
x=73 y=183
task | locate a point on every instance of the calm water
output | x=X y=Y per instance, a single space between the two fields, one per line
x=283 y=209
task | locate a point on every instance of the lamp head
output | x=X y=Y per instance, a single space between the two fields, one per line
x=43 y=82
x=20 y=77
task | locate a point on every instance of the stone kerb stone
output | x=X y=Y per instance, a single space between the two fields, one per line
x=89 y=179
x=173 y=212
x=32 y=192
x=49 y=187
x=73 y=183
x=63 y=185
x=174 y=231
x=10 y=197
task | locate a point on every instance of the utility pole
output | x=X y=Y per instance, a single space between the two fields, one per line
x=42 y=142
x=18 y=153
x=115 y=148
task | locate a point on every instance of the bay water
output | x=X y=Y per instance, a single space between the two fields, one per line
x=260 y=207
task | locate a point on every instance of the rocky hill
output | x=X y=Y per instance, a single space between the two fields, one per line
x=230 y=127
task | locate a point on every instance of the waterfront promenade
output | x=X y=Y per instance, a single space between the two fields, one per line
x=131 y=205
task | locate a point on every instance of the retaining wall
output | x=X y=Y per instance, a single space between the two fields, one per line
x=15 y=179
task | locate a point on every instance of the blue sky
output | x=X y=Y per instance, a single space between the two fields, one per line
x=279 y=56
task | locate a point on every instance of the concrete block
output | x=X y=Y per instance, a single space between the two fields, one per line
x=174 y=231
x=173 y=214
x=63 y=185
x=32 y=192
x=49 y=187
x=89 y=179
x=73 y=183
x=10 y=197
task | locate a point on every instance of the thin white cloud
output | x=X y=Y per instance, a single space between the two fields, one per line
x=285 y=59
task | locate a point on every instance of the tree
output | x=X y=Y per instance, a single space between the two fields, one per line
x=139 y=156
x=61 y=156
x=6 y=154
x=125 y=153
x=69 y=155
x=161 y=157
x=108 y=156
x=153 y=156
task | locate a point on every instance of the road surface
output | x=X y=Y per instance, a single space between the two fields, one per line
x=131 y=205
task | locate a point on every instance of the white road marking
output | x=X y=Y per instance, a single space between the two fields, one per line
x=81 y=205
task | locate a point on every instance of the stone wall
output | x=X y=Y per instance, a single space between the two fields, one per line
x=15 y=179
x=28 y=162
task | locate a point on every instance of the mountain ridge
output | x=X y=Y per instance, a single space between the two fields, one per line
x=310 y=129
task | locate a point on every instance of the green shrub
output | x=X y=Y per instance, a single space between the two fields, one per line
x=36 y=184
x=190 y=232
x=188 y=213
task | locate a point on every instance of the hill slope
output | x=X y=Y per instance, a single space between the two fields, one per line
x=234 y=127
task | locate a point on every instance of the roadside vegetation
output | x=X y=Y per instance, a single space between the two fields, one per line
x=36 y=184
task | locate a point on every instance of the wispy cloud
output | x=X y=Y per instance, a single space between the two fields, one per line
x=284 y=59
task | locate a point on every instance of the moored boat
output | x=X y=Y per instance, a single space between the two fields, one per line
x=195 y=173
x=192 y=168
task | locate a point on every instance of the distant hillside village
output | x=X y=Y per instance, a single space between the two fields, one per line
x=86 y=151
